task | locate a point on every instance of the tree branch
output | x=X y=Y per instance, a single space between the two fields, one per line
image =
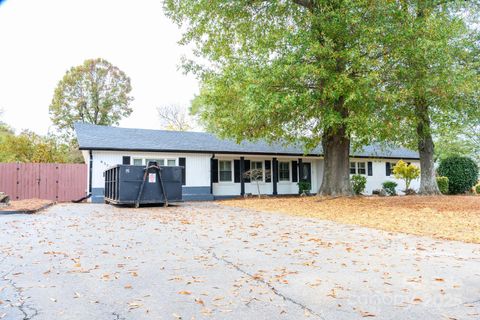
x=305 y=3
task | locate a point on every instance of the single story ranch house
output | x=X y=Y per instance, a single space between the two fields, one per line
x=213 y=167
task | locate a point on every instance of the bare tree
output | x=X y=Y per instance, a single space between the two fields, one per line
x=256 y=175
x=175 y=118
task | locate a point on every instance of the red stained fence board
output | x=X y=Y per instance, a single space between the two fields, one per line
x=52 y=181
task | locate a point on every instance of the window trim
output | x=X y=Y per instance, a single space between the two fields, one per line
x=141 y=160
x=170 y=159
x=356 y=167
x=364 y=168
x=263 y=170
x=165 y=161
x=231 y=170
x=288 y=170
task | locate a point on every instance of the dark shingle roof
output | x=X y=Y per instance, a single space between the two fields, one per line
x=95 y=137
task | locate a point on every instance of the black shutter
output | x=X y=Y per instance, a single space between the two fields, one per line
x=294 y=171
x=370 y=168
x=236 y=171
x=268 y=167
x=125 y=160
x=247 y=167
x=214 y=170
x=387 y=168
x=182 y=163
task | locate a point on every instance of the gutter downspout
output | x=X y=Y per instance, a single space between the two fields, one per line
x=90 y=170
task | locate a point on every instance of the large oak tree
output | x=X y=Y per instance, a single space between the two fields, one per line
x=431 y=70
x=294 y=70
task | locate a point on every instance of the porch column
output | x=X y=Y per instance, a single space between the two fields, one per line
x=274 y=175
x=300 y=169
x=242 y=171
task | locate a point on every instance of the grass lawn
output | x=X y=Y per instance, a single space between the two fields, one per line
x=444 y=217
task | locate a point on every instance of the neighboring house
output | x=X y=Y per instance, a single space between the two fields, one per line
x=213 y=166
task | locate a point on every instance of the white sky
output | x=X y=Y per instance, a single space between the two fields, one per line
x=41 y=40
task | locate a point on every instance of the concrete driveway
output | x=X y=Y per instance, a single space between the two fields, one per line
x=206 y=261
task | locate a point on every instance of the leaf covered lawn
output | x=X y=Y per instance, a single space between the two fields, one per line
x=444 y=217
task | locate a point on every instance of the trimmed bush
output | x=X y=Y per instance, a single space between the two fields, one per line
x=477 y=188
x=304 y=187
x=462 y=173
x=389 y=187
x=442 y=183
x=358 y=183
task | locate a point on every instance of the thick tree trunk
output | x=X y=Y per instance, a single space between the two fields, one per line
x=428 y=181
x=336 y=170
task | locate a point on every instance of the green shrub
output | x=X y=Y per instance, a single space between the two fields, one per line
x=462 y=173
x=389 y=187
x=358 y=183
x=477 y=188
x=442 y=183
x=406 y=172
x=304 y=187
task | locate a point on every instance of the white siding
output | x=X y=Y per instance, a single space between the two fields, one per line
x=379 y=175
x=197 y=165
x=198 y=171
x=283 y=187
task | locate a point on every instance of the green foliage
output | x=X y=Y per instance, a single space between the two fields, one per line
x=359 y=183
x=95 y=92
x=389 y=187
x=464 y=141
x=284 y=70
x=431 y=70
x=442 y=183
x=304 y=187
x=406 y=172
x=30 y=147
x=462 y=173
x=477 y=188
x=303 y=71
x=5 y=131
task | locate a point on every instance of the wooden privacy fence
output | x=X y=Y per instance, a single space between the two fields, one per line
x=52 y=181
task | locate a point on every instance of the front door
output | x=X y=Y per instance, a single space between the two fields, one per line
x=307 y=173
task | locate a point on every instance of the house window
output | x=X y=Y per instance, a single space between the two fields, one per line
x=160 y=162
x=258 y=166
x=389 y=168
x=284 y=171
x=225 y=172
x=137 y=162
x=358 y=168
x=361 y=168
x=171 y=162
x=353 y=168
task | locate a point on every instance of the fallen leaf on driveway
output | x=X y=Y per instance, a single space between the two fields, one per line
x=134 y=305
x=184 y=292
x=366 y=314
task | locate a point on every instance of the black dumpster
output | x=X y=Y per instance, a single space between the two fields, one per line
x=135 y=185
